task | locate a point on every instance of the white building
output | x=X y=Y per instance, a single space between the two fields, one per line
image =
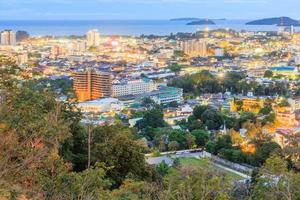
x=93 y=38
x=219 y=52
x=8 y=37
x=101 y=105
x=133 y=87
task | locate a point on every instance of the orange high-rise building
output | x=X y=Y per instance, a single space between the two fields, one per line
x=91 y=84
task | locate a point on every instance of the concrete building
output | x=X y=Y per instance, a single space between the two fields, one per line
x=101 y=105
x=133 y=87
x=91 y=85
x=93 y=38
x=78 y=47
x=219 y=52
x=194 y=48
x=167 y=95
x=57 y=51
x=8 y=37
x=22 y=58
x=285 y=70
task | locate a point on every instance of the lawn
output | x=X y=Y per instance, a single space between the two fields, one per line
x=204 y=164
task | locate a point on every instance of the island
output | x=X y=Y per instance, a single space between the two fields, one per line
x=202 y=22
x=279 y=21
x=185 y=19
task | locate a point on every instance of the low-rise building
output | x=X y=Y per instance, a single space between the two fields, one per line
x=101 y=105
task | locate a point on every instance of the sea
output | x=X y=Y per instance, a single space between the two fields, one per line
x=122 y=27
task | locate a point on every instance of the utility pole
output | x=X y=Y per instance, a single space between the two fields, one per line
x=89 y=132
x=89 y=145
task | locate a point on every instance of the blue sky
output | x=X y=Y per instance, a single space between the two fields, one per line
x=147 y=9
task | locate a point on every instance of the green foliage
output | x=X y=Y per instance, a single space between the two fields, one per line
x=211 y=147
x=32 y=127
x=275 y=181
x=201 y=137
x=152 y=118
x=175 y=68
x=90 y=183
x=268 y=74
x=209 y=117
x=116 y=148
x=205 y=82
x=162 y=169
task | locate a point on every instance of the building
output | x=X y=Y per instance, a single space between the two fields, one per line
x=57 y=51
x=101 y=105
x=22 y=58
x=93 y=38
x=78 y=47
x=133 y=87
x=285 y=71
x=8 y=37
x=219 y=52
x=91 y=85
x=194 y=48
x=286 y=115
x=167 y=95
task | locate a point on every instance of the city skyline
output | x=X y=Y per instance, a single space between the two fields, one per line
x=146 y=9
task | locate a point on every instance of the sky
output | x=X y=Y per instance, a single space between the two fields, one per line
x=146 y=9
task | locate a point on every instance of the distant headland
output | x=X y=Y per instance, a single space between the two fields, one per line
x=279 y=21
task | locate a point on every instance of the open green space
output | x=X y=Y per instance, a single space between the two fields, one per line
x=202 y=164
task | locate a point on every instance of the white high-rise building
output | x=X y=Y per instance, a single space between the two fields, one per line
x=194 y=48
x=8 y=37
x=93 y=38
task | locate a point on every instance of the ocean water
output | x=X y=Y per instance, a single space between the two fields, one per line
x=121 y=27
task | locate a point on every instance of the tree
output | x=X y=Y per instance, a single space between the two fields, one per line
x=89 y=184
x=116 y=147
x=276 y=182
x=175 y=68
x=153 y=118
x=199 y=110
x=32 y=127
x=173 y=146
x=179 y=137
x=201 y=136
x=211 y=147
x=212 y=119
x=162 y=169
x=197 y=184
x=190 y=140
x=264 y=149
x=268 y=74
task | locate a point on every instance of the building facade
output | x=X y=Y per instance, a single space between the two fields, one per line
x=194 y=48
x=93 y=38
x=133 y=87
x=91 y=85
x=8 y=37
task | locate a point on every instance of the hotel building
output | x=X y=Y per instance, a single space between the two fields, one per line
x=91 y=85
x=194 y=48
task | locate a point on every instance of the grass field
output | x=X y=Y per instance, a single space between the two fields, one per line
x=204 y=164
